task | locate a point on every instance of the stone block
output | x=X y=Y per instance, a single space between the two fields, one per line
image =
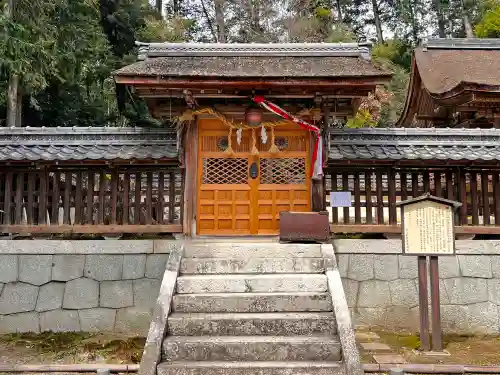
x=251 y=348
x=343 y=264
x=252 y=302
x=495 y=266
x=18 y=297
x=133 y=321
x=482 y=318
x=97 y=320
x=9 y=266
x=463 y=291
x=386 y=267
x=475 y=266
x=374 y=293
x=351 y=288
x=494 y=291
x=392 y=246
x=403 y=292
x=81 y=293
x=50 y=296
x=146 y=292
x=134 y=266
x=443 y=293
x=369 y=316
x=408 y=267
x=166 y=246
x=251 y=249
x=360 y=267
x=454 y=318
x=104 y=267
x=19 y=323
x=392 y=359
x=448 y=267
x=35 y=269
x=67 y=267
x=60 y=321
x=478 y=319
x=116 y=294
x=402 y=317
x=375 y=347
x=155 y=266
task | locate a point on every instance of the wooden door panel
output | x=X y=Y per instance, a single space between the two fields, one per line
x=232 y=203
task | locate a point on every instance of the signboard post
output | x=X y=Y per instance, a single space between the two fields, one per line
x=428 y=231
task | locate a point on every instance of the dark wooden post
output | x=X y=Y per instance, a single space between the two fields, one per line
x=318 y=185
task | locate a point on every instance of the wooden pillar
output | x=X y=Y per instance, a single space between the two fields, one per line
x=190 y=149
x=318 y=186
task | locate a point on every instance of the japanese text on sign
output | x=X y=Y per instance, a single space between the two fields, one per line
x=428 y=228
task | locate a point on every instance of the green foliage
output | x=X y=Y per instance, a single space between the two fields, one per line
x=489 y=26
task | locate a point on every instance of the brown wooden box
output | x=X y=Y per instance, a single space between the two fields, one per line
x=304 y=226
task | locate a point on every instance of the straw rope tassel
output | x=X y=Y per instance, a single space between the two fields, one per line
x=273 y=149
x=229 y=150
x=255 y=151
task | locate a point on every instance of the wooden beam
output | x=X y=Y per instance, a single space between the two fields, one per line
x=364 y=228
x=91 y=229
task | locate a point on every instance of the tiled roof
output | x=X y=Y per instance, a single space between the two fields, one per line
x=300 y=60
x=66 y=144
x=414 y=144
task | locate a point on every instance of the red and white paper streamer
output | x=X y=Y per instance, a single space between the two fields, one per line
x=317 y=156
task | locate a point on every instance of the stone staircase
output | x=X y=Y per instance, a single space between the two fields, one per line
x=251 y=309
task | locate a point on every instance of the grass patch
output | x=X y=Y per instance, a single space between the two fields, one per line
x=78 y=347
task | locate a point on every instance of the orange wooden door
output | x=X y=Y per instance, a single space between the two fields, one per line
x=233 y=202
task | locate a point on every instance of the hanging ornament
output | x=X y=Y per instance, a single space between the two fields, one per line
x=229 y=150
x=263 y=135
x=255 y=151
x=239 y=134
x=273 y=149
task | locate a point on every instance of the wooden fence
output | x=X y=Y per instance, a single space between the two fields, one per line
x=375 y=192
x=99 y=200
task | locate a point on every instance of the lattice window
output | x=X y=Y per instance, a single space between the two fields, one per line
x=283 y=171
x=225 y=171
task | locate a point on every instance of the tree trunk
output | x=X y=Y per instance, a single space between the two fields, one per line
x=219 y=20
x=209 y=20
x=19 y=108
x=12 y=100
x=414 y=27
x=339 y=12
x=159 y=6
x=378 y=23
x=441 y=21
x=469 y=33
x=13 y=79
x=255 y=19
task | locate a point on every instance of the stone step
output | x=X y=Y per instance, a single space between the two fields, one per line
x=246 y=324
x=251 y=265
x=252 y=302
x=251 y=283
x=250 y=368
x=251 y=250
x=251 y=348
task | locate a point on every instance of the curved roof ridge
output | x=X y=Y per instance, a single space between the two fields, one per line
x=147 y=50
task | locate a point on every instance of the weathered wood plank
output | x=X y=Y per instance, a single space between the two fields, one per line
x=42 y=198
x=78 y=198
x=486 y=197
x=97 y=229
x=380 y=197
x=114 y=196
x=149 y=198
x=19 y=198
x=90 y=197
x=30 y=207
x=126 y=198
x=161 y=197
x=345 y=187
x=474 y=198
x=391 y=180
x=357 y=199
x=56 y=190
x=138 y=198
x=102 y=200
x=171 y=198
x=368 y=193
x=68 y=187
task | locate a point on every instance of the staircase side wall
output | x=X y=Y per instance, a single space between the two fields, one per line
x=381 y=285
x=90 y=286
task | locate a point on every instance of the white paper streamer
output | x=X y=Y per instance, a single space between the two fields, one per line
x=238 y=136
x=263 y=135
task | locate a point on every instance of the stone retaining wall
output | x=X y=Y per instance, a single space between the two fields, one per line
x=80 y=285
x=382 y=288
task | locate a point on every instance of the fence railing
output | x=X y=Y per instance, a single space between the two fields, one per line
x=375 y=192
x=99 y=200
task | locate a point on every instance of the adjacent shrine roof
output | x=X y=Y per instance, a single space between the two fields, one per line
x=458 y=74
x=446 y=64
x=71 y=144
x=413 y=144
x=296 y=60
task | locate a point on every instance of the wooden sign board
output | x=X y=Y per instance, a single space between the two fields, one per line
x=428 y=226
